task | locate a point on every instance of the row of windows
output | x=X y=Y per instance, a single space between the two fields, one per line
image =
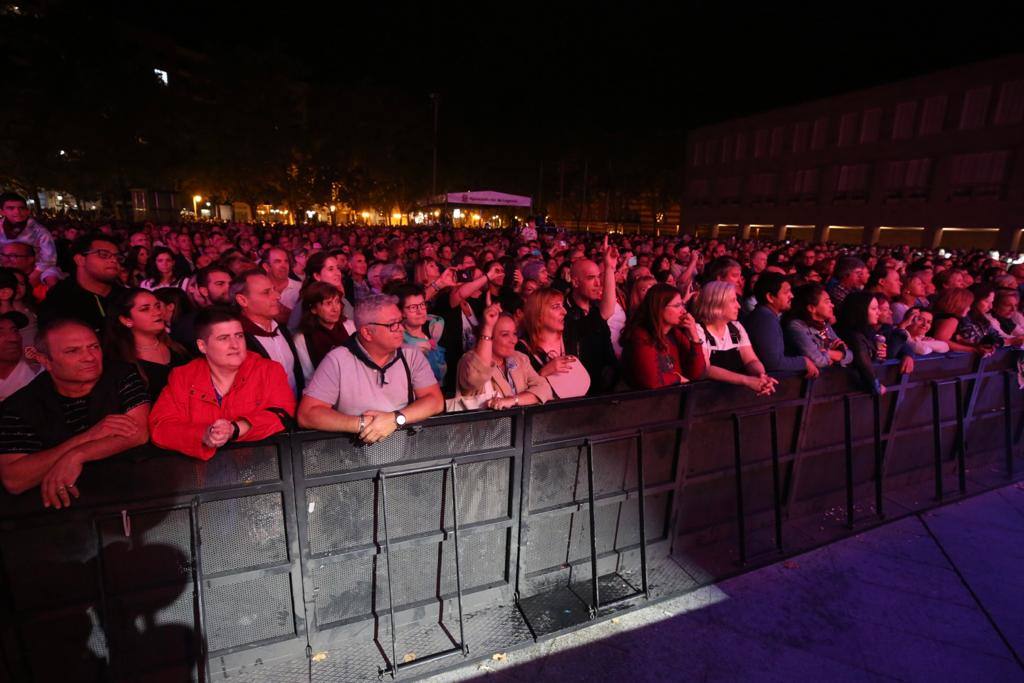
x=864 y=127
x=976 y=174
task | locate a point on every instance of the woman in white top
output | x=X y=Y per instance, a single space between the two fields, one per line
x=163 y=270
x=730 y=357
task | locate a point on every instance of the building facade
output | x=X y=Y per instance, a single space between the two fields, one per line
x=931 y=161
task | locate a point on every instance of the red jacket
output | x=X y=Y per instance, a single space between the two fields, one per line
x=648 y=367
x=188 y=405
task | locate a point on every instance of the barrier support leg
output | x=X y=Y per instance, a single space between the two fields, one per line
x=640 y=485
x=776 y=483
x=594 y=584
x=848 y=434
x=877 y=406
x=937 y=436
x=961 y=439
x=1008 y=423
x=741 y=526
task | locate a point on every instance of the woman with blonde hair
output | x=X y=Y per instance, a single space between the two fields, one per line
x=727 y=350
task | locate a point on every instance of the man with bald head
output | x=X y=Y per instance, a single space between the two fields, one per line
x=589 y=305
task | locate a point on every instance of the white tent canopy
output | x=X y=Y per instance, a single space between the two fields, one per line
x=483 y=198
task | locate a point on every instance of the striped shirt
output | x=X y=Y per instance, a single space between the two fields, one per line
x=17 y=436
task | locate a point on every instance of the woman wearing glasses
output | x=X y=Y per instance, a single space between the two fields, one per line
x=662 y=344
x=421 y=329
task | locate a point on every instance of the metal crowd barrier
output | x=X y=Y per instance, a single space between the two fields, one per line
x=311 y=555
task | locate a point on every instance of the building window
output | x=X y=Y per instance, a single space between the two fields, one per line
x=728 y=190
x=699 y=191
x=981 y=174
x=1011 y=103
x=777 y=134
x=903 y=124
x=761 y=143
x=800 y=132
x=727 y=144
x=805 y=184
x=907 y=179
x=933 y=117
x=847 y=129
x=741 y=146
x=763 y=188
x=869 y=126
x=819 y=138
x=852 y=182
x=710 y=152
x=972 y=116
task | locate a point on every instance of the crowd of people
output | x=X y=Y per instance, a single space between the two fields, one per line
x=195 y=336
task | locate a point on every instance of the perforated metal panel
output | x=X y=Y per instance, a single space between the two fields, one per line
x=337 y=455
x=344 y=590
x=240 y=533
x=340 y=515
x=249 y=611
x=600 y=419
x=483 y=490
x=157 y=552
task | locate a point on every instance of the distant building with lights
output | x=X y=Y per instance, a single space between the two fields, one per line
x=934 y=160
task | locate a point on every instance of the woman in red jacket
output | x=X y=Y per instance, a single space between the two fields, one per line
x=661 y=344
x=227 y=395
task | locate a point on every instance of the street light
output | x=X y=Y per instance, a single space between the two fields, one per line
x=195 y=205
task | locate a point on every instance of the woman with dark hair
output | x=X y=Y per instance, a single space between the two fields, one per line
x=321 y=267
x=808 y=331
x=661 y=346
x=975 y=329
x=858 y=319
x=163 y=270
x=136 y=333
x=135 y=265
x=176 y=303
x=953 y=307
x=323 y=326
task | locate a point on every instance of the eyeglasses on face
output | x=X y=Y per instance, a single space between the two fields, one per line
x=392 y=326
x=104 y=254
x=415 y=307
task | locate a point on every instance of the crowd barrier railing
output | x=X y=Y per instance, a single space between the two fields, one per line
x=387 y=555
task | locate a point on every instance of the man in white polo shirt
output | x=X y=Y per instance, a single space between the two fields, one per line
x=371 y=385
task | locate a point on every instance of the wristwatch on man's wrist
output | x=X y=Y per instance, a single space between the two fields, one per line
x=399 y=418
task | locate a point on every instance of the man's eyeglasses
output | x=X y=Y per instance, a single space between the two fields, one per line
x=392 y=326
x=416 y=307
x=104 y=254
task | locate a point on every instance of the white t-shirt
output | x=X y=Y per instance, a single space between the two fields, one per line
x=290 y=295
x=724 y=343
x=352 y=387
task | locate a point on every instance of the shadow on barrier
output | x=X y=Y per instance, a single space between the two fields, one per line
x=475 y=530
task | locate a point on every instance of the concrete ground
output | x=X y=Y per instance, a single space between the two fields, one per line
x=936 y=597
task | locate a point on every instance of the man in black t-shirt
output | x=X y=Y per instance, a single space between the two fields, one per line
x=85 y=295
x=589 y=305
x=72 y=413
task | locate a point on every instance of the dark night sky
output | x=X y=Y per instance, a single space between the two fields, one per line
x=524 y=83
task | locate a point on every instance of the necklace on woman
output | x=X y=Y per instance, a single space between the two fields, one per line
x=147 y=347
